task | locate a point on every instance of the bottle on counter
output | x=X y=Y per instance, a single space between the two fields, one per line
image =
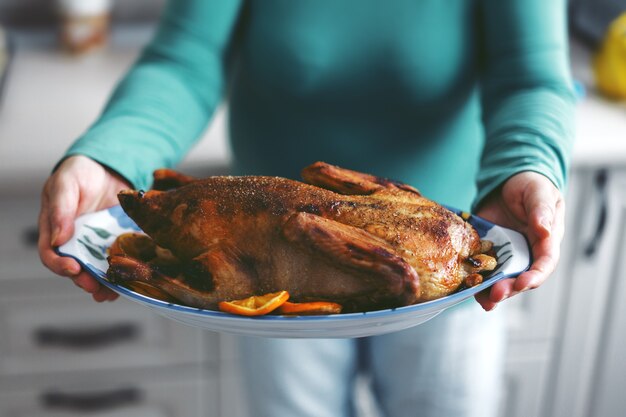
x=84 y=24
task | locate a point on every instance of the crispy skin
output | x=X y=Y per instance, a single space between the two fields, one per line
x=352 y=238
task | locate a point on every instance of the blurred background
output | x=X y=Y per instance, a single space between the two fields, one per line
x=63 y=355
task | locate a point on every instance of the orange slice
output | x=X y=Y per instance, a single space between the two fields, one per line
x=134 y=245
x=257 y=305
x=309 y=309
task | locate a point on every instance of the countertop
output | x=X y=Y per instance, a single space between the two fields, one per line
x=600 y=122
x=52 y=97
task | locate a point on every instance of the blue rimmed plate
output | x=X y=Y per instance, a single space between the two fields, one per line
x=95 y=232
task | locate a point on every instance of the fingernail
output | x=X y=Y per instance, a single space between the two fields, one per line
x=55 y=235
x=546 y=224
x=70 y=272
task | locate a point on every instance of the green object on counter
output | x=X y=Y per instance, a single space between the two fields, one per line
x=405 y=89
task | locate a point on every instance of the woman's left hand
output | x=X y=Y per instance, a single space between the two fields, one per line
x=529 y=203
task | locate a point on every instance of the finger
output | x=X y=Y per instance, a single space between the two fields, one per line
x=92 y=286
x=539 y=271
x=100 y=296
x=62 y=210
x=59 y=265
x=87 y=283
x=497 y=293
x=507 y=288
x=540 y=203
x=546 y=253
x=502 y=290
x=483 y=299
x=558 y=228
x=43 y=242
x=113 y=296
x=104 y=294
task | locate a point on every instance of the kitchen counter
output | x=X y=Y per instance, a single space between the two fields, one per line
x=600 y=122
x=52 y=97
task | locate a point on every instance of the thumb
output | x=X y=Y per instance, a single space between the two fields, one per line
x=540 y=205
x=62 y=212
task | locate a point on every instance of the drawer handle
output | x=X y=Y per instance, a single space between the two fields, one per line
x=90 y=402
x=601 y=180
x=86 y=338
x=30 y=236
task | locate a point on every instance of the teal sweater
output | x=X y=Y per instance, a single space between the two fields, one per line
x=451 y=96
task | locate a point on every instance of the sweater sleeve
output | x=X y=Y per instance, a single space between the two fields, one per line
x=160 y=108
x=526 y=92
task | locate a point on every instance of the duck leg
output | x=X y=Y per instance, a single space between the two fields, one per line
x=167 y=179
x=345 y=181
x=213 y=276
x=124 y=270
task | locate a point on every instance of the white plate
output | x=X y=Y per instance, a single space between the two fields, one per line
x=95 y=232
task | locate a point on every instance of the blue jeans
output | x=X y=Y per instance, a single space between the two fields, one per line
x=449 y=366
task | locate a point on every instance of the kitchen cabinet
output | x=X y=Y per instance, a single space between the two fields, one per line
x=155 y=394
x=589 y=362
x=534 y=322
x=566 y=351
x=61 y=354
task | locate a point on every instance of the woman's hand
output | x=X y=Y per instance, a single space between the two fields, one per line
x=529 y=203
x=78 y=186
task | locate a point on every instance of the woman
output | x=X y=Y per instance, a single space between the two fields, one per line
x=469 y=101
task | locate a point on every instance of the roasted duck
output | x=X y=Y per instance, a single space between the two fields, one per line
x=359 y=240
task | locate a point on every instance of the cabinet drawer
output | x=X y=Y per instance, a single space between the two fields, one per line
x=525 y=387
x=65 y=332
x=158 y=396
x=533 y=316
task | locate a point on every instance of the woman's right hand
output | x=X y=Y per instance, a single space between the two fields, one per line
x=79 y=185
